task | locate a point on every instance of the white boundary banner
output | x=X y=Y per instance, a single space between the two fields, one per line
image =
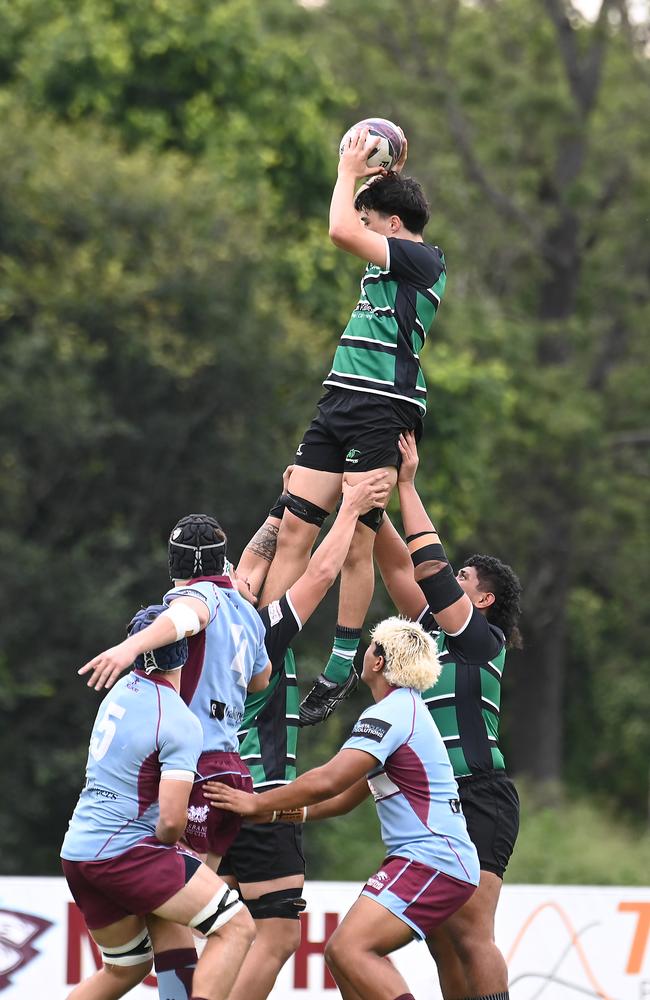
x=561 y=943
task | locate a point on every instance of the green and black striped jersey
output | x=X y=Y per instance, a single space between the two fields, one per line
x=269 y=732
x=466 y=700
x=379 y=350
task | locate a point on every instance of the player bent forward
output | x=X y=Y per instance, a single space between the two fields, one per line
x=120 y=854
x=396 y=752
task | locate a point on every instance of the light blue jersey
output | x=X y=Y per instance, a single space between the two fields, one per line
x=143 y=733
x=414 y=786
x=222 y=660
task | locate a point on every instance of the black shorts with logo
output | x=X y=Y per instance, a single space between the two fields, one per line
x=356 y=432
x=491 y=807
x=265 y=851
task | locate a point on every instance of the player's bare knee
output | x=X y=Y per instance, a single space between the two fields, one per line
x=128 y=976
x=241 y=926
x=288 y=941
x=294 y=534
x=338 y=951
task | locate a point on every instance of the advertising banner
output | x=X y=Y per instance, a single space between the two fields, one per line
x=561 y=943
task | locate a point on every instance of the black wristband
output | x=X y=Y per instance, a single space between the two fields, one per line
x=419 y=534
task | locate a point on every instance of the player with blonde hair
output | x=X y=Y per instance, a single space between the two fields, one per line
x=410 y=654
x=396 y=753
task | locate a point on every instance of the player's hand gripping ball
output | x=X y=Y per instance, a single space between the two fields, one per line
x=384 y=142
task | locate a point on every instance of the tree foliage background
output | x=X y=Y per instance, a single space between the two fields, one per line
x=169 y=303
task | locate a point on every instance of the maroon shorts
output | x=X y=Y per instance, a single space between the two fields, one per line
x=135 y=882
x=210 y=829
x=422 y=897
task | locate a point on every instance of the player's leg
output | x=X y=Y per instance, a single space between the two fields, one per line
x=127 y=958
x=175 y=958
x=313 y=489
x=275 y=906
x=313 y=494
x=469 y=962
x=355 y=594
x=355 y=952
x=467 y=955
x=207 y=905
x=268 y=862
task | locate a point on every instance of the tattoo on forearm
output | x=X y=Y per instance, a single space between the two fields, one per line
x=264 y=542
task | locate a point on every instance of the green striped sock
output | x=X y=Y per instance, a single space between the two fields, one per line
x=346 y=643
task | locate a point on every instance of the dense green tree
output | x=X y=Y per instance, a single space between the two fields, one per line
x=144 y=375
x=169 y=303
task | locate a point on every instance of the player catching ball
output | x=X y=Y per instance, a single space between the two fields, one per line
x=374 y=391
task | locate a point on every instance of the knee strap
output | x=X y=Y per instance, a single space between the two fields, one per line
x=222 y=907
x=287 y=903
x=305 y=509
x=372 y=518
x=134 y=952
x=277 y=510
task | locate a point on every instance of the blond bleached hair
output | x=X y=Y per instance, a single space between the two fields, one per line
x=410 y=653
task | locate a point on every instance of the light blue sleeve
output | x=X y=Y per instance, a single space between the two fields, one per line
x=180 y=738
x=261 y=656
x=380 y=730
x=204 y=591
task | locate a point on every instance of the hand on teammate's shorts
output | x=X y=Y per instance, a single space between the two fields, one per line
x=367 y=493
x=222 y=796
x=410 y=458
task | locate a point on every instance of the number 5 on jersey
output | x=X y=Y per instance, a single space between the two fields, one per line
x=106 y=727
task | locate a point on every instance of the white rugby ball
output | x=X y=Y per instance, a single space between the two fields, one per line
x=384 y=142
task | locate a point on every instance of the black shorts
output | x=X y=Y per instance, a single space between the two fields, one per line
x=356 y=432
x=265 y=851
x=491 y=807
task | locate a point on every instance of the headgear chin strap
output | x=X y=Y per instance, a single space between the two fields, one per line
x=169 y=657
x=197 y=547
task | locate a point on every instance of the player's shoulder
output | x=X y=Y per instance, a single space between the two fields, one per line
x=203 y=589
x=416 y=249
x=175 y=711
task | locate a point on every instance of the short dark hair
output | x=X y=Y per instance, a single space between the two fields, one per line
x=396 y=195
x=504 y=583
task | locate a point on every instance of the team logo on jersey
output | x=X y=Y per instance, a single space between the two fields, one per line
x=299 y=448
x=18 y=931
x=275 y=613
x=352 y=456
x=220 y=711
x=197 y=814
x=371 y=729
x=455 y=806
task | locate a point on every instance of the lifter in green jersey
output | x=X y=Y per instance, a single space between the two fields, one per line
x=375 y=389
x=476 y=614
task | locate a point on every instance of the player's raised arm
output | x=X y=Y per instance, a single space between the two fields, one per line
x=450 y=606
x=259 y=553
x=346 y=228
x=396 y=568
x=185 y=617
